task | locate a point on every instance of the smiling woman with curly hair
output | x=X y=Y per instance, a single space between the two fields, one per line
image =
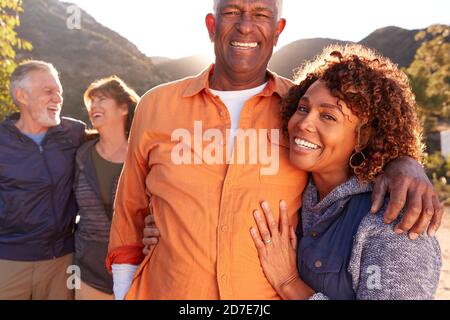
x=351 y=113
x=376 y=92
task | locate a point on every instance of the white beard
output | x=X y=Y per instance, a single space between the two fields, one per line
x=46 y=121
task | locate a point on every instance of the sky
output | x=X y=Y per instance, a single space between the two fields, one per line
x=175 y=28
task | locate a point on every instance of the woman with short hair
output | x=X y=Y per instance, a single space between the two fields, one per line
x=110 y=104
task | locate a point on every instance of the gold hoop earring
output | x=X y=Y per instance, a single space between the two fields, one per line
x=354 y=157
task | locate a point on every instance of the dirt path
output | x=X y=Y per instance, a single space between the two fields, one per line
x=444 y=239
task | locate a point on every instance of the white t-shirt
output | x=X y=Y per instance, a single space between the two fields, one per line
x=235 y=101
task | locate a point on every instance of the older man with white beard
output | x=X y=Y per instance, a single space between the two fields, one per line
x=37 y=206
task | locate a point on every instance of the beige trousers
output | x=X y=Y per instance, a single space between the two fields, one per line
x=86 y=292
x=41 y=280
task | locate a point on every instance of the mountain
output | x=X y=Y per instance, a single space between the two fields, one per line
x=83 y=55
x=293 y=55
x=184 y=67
x=158 y=60
x=94 y=51
x=396 y=43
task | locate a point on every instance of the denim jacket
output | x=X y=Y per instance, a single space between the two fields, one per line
x=346 y=253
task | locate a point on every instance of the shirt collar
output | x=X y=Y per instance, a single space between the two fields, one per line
x=201 y=82
x=341 y=193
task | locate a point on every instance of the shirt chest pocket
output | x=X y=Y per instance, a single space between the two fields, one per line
x=322 y=270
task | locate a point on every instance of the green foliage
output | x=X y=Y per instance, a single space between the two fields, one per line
x=435 y=163
x=9 y=43
x=430 y=75
x=430 y=78
x=438 y=170
x=430 y=70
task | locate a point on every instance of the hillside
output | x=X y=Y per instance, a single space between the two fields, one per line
x=95 y=51
x=83 y=55
x=291 y=56
x=184 y=67
x=396 y=43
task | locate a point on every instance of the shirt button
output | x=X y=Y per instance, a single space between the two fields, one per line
x=223 y=278
x=318 y=264
x=223 y=114
x=314 y=234
x=224 y=228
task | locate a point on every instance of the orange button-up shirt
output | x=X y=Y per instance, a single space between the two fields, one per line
x=203 y=209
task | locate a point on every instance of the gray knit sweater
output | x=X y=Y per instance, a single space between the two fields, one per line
x=383 y=265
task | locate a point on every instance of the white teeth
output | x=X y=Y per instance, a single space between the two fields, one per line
x=306 y=144
x=244 y=44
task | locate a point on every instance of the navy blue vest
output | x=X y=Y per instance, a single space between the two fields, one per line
x=324 y=254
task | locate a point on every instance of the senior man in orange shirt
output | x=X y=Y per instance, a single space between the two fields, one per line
x=205 y=151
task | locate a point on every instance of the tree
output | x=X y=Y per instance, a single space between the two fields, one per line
x=430 y=74
x=430 y=78
x=9 y=43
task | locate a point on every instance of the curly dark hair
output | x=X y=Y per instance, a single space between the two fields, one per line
x=376 y=91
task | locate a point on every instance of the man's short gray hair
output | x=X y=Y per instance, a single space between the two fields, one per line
x=20 y=76
x=278 y=3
